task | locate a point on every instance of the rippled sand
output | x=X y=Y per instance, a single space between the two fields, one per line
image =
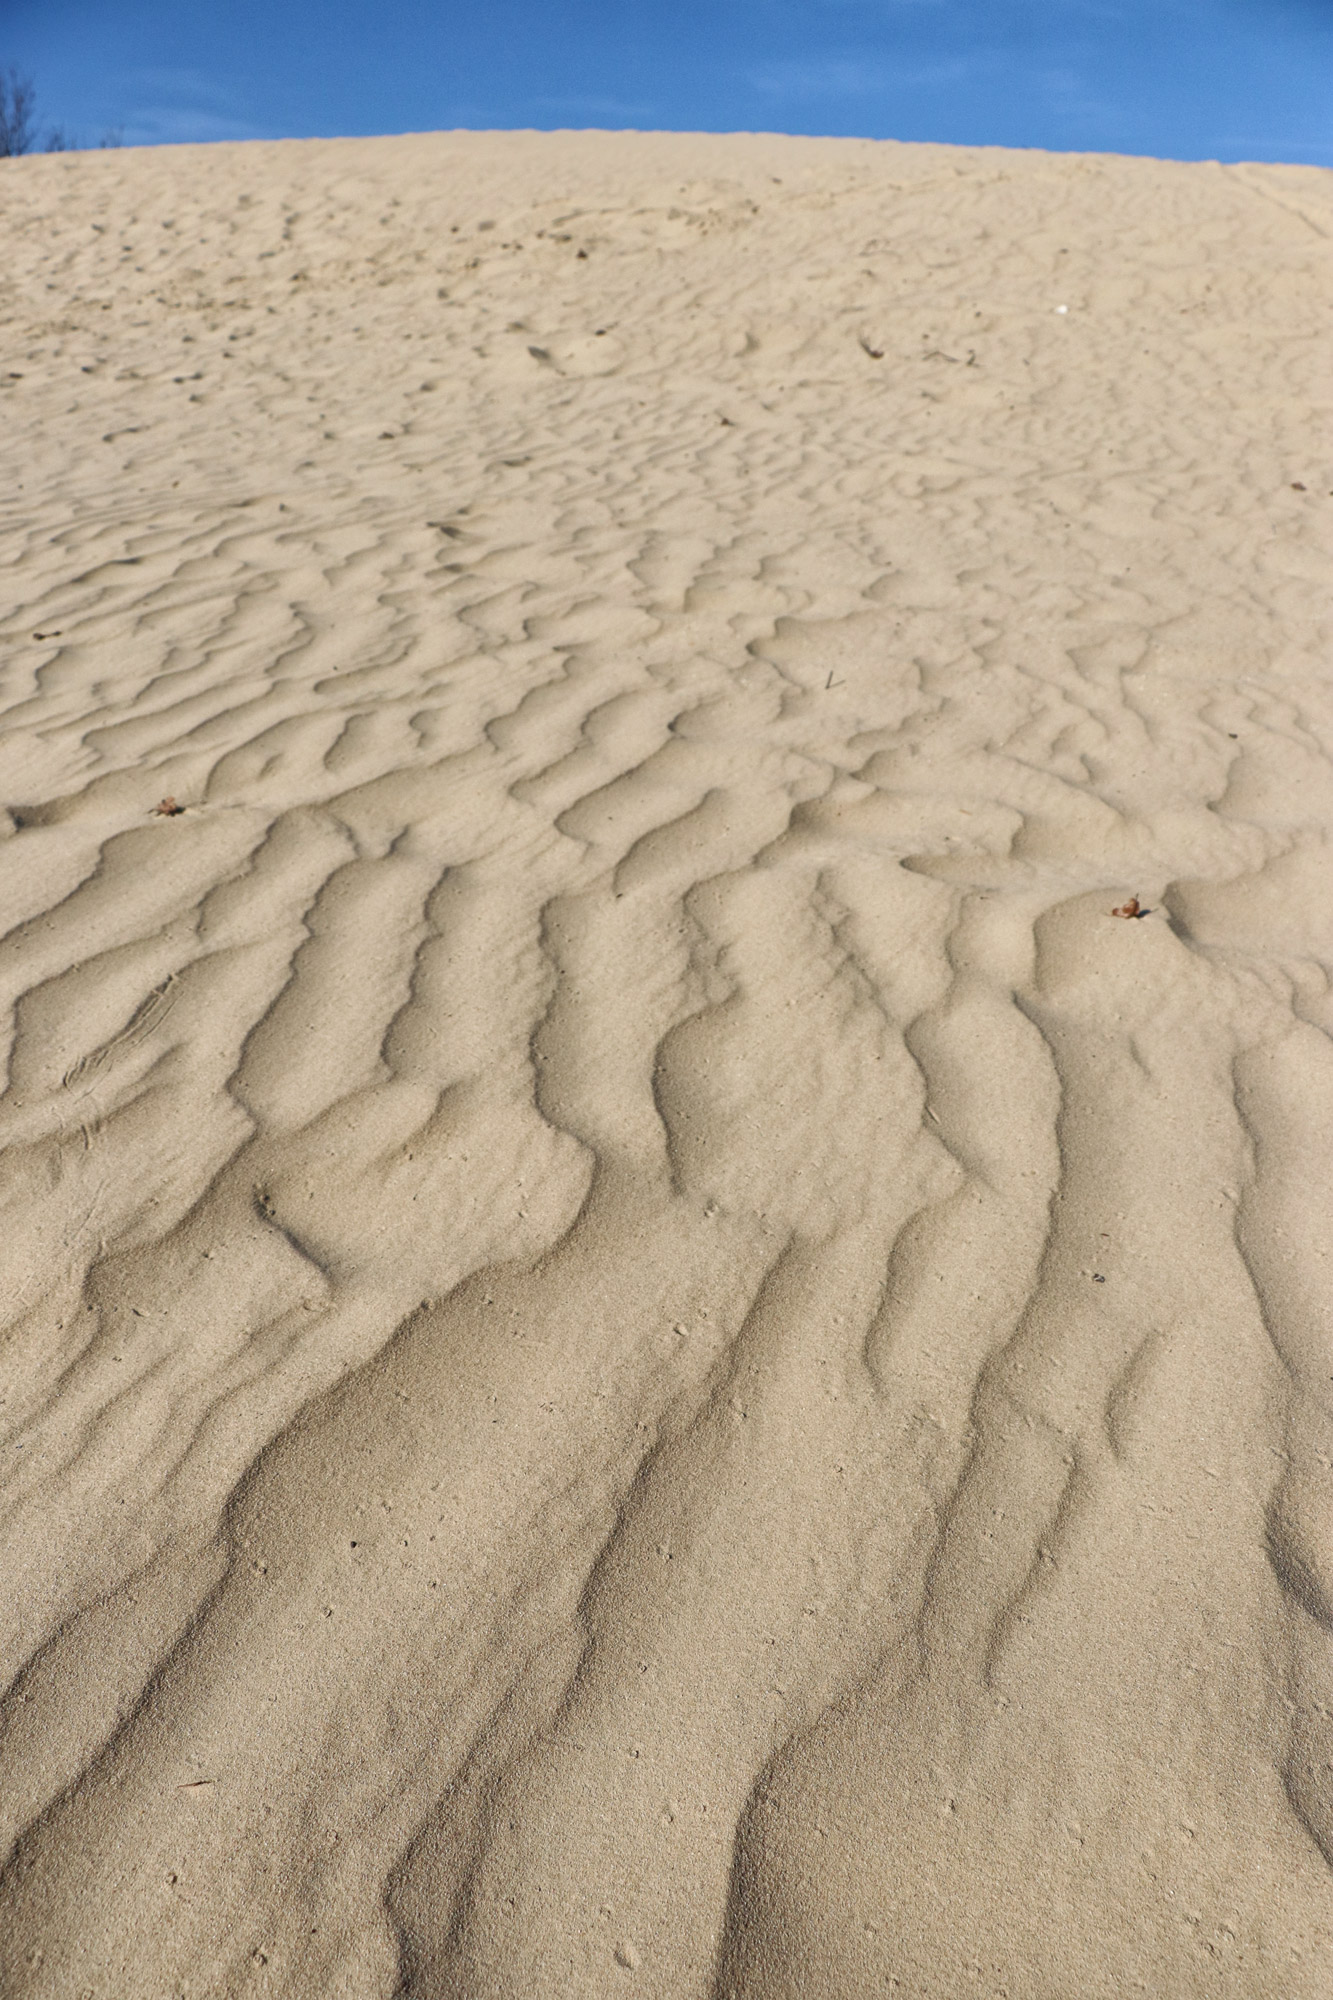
x=646 y=1352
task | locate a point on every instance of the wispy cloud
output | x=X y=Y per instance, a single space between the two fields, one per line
x=879 y=8
x=852 y=76
x=828 y=76
x=180 y=107
x=596 y=107
x=1070 y=95
x=149 y=126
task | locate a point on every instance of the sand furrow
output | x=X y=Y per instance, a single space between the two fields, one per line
x=666 y=982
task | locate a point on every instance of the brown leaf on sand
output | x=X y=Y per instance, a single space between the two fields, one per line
x=167 y=808
x=1133 y=908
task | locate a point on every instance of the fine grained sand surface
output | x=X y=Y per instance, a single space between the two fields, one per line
x=645 y=1352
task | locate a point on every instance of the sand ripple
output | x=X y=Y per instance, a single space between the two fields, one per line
x=644 y=1351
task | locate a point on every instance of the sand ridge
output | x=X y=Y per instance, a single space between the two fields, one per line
x=645 y=1352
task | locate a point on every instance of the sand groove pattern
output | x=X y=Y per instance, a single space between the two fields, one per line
x=644 y=1352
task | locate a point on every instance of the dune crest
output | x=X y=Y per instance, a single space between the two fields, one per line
x=669 y=1073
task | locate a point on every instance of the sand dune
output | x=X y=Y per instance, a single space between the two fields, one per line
x=645 y=1351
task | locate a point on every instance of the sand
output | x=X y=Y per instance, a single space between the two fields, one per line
x=646 y=1352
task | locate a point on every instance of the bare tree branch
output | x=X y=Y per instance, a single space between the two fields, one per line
x=18 y=98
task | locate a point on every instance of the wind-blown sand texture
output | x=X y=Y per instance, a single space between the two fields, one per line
x=646 y=1353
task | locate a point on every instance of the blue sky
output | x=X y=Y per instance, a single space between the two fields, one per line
x=1187 y=79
